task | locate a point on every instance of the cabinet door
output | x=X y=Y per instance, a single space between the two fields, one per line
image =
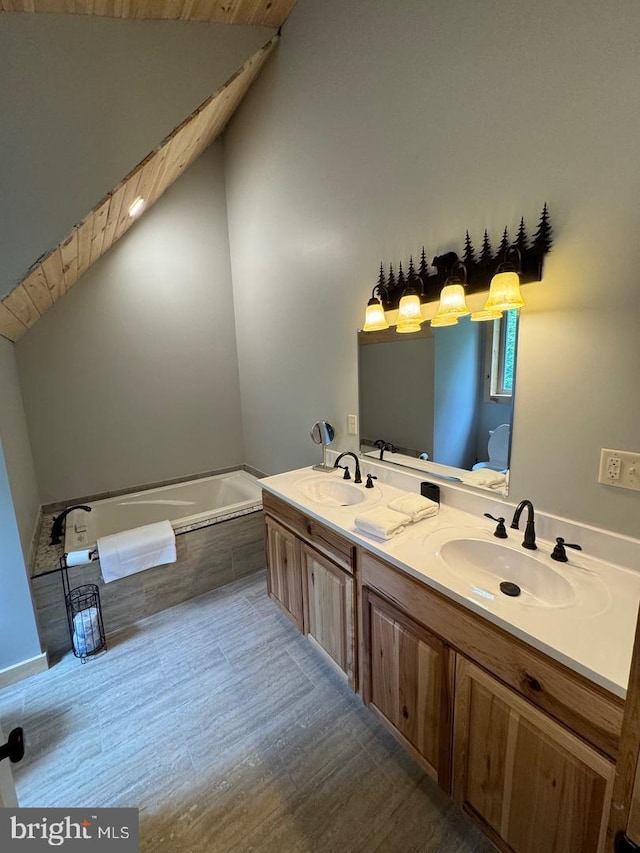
x=284 y=576
x=329 y=609
x=406 y=683
x=527 y=778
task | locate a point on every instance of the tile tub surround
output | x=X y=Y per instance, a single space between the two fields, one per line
x=208 y=558
x=229 y=733
x=595 y=643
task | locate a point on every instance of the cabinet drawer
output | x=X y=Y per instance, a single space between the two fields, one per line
x=322 y=538
x=588 y=710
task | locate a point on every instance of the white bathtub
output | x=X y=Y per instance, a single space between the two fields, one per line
x=183 y=504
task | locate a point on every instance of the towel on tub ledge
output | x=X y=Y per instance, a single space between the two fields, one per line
x=132 y=551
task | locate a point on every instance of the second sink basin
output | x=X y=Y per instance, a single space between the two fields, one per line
x=329 y=491
x=486 y=564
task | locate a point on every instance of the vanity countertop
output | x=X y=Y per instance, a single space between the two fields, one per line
x=593 y=635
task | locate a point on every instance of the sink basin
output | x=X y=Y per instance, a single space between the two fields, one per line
x=485 y=564
x=333 y=492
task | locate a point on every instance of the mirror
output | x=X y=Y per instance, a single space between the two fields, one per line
x=441 y=400
x=323 y=433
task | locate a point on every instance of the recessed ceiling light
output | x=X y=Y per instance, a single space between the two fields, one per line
x=137 y=206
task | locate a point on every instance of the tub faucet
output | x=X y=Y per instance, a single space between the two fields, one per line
x=529 y=540
x=358 y=477
x=58 y=521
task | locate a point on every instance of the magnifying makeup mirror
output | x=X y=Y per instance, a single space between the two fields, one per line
x=322 y=433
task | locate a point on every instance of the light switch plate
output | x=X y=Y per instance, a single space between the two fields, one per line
x=620 y=468
x=352 y=424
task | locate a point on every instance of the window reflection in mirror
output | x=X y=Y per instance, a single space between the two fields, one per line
x=439 y=395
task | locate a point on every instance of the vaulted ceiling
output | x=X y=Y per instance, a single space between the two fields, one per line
x=53 y=274
x=265 y=13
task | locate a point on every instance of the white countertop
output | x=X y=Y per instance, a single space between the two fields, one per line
x=593 y=635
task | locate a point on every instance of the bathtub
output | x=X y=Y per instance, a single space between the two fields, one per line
x=191 y=504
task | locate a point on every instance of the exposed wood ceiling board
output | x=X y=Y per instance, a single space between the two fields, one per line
x=10 y=326
x=263 y=13
x=52 y=277
x=21 y=306
x=36 y=286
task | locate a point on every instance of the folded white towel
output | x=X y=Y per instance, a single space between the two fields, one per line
x=484 y=477
x=415 y=506
x=132 y=551
x=382 y=522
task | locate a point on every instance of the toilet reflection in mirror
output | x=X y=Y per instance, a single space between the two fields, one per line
x=443 y=397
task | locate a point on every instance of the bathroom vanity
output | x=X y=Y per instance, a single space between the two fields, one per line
x=515 y=725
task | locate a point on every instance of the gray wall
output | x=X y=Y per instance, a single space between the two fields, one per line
x=83 y=100
x=396 y=392
x=17 y=451
x=456 y=386
x=132 y=378
x=19 y=639
x=385 y=124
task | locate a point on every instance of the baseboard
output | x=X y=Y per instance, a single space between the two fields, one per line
x=25 y=669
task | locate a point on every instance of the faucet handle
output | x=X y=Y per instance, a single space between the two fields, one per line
x=559 y=553
x=347 y=473
x=370 y=479
x=500 y=531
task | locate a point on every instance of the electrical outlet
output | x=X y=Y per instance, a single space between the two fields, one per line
x=620 y=468
x=352 y=424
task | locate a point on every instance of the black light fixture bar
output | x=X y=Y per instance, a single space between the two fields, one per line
x=429 y=279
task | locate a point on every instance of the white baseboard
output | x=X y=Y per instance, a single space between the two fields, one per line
x=24 y=669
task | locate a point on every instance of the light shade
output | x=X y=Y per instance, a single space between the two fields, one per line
x=479 y=316
x=409 y=313
x=444 y=321
x=375 y=319
x=504 y=292
x=452 y=305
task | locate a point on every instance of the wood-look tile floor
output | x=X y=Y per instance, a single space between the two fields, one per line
x=230 y=733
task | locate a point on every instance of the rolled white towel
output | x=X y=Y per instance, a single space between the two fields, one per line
x=415 y=506
x=484 y=477
x=382 y=522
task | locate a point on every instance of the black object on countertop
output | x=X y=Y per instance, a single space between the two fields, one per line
x=431 y=491
x=500 y=531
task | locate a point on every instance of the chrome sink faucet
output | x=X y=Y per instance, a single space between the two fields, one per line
x=529 y=540
x=358 y=476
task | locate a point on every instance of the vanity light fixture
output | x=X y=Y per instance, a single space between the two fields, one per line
x=375 y=319
x=136 y=206
x=452 y=298
x=401 y=298
x=504 y=290
x=409 y=311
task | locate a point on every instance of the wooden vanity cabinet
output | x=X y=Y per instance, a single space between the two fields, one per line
x=328 y=600
x=531 y=782
x=406 y=682
x=284 y=572
x=310 y=575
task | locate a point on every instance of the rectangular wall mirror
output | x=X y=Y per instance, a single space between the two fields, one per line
x=443 y=398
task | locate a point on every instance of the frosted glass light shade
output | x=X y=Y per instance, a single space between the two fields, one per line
x=479 y=316
x=409 y=313
x=375 y=319
x=444 y=321
x=504 y=292
x=452 y=305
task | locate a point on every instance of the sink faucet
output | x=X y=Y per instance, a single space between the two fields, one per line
x=358 y=477
x=383 y=445
x=58 y=521
x=529 y=540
